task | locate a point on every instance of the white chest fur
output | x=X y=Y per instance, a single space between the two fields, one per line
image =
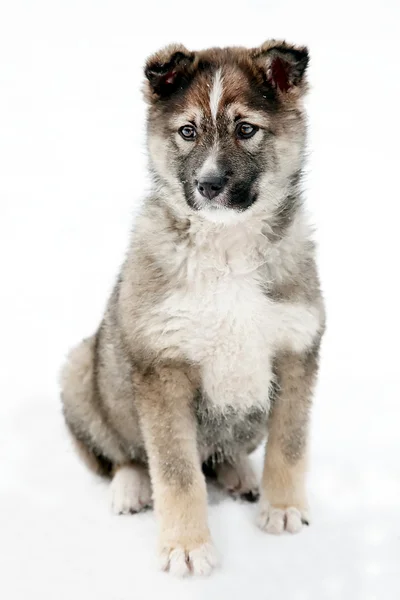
x=218 y=317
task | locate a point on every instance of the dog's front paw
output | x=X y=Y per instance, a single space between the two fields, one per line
x=276 y=520
x=182 y=561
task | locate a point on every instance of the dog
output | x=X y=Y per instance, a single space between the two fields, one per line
x=210 y=339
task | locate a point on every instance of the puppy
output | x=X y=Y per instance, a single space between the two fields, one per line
x=210 y=339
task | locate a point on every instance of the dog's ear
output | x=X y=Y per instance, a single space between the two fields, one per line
x=284 y=66
x=167 y=71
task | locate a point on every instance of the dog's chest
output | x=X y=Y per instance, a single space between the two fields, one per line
x=221 y=314
x=217 y=317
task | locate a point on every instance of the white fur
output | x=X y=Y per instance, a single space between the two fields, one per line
x=216 y=94
x=219 y=317
x=158 y=151
x=199 y=561
x=277 y=520
x=223 y=215
x=130 y=490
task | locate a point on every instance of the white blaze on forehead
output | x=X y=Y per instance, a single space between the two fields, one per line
x=216 y=93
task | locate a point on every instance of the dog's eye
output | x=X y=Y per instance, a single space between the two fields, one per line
x=188 y=132
x=245 y=131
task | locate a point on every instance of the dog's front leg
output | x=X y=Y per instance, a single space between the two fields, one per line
x=164 y=398
x=283 y=503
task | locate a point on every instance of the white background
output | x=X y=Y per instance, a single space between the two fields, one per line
x=72 y=174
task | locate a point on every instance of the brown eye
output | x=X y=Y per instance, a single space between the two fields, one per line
x=188 y=132
x=245 y=131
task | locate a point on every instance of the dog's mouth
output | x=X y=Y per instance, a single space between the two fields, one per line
x=224 y=201
x=220 y=201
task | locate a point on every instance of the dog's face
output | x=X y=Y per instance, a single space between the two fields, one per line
x=226 y=129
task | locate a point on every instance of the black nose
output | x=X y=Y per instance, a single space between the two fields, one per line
x=209 y=187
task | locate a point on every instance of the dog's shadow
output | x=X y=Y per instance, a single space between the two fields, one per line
x=216 y=494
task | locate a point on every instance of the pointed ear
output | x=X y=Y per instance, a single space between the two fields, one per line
x=284 y=66
x=167 y=71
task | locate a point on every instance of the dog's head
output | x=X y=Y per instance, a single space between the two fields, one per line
x=226 y=128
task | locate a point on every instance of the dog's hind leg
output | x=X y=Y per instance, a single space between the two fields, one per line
x=93 y=438
x=238 y=478
x=130 y=489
